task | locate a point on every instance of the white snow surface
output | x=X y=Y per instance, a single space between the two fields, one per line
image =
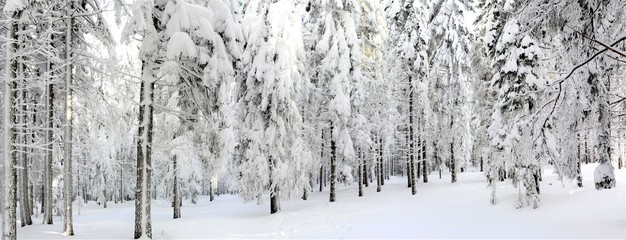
x=439 y=210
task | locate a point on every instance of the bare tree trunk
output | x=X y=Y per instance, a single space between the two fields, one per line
x=322 y=183
x=379 y=165
x=143 y=221
x=25 y=209
x=381 y=159
x=332 y=166
x=424 y=163
x=68 y=228
x=418 y=170
x=33 y=140
x=47 y=211
x=22 y=189
x=9 y=228
x=452 y=163
x=579 y=177
x=274 y=205
x=586 y=149
x=176 y=194
x=411 y=167
x=364 y=173
x=360 y=172
x=211 y=190
x=408 y=161
x=121 y=183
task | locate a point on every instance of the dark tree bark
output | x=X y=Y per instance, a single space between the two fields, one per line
x=25 y=208
x=452 y=163
x=333 y=175
x=121 y=198
x=381 y=161
x=322 y=164
x=143 y=222
x=586 y=150
x=360 y=172
x=176 y=189
x=411 y=167
x=9 y=228
x=579 y=177
x=379 y=165
x=274 y=205
x=424 y=163
x=211 y=192
x=68 y=225
x=364 y=179
x=47 y=215
x=408 y=160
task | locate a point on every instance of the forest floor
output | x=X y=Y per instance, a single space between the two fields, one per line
x=439 y=210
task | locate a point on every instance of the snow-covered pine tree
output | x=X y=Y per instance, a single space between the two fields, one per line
x=204 y=79
x=338 y=52
x=490 y=21
x=486 y=23
x=13 y=11
x=200 y=45
x=578 y=29
x=146 y=22
x=373 y=32
x=408 y=38
x=270 y=134
x=512 y=133
x=449 y=52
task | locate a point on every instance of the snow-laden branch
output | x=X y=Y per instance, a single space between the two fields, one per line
x=606 y=48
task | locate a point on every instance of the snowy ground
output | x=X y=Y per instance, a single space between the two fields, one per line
x=439 y=210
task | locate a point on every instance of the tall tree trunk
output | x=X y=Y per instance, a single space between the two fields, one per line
x=68 y=228
x=364 y=179
x=322 y=163
x=452 y=158
x=452 y=163
x=424 y=163
x=586 y=149
x=176 y=194
x=33 y=140
x=211 y=191
x=9 y=228
x=332 y=165
x=408 y=160
x=418 y=170
x=25 y=201
x=379 y=165
x=121 y=183
x=411 y=167
x=47 y=211
x=105 y=196
x=360 y=172
x=143 y=221
x=381 y=159
x=274 y=205
x=25 y=208
x=579 y=177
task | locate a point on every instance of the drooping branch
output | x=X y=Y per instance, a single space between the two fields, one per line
x=606 y=48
